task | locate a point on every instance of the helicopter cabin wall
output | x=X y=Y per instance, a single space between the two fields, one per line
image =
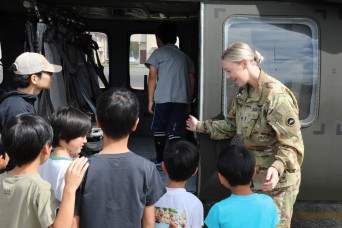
x=314 y=74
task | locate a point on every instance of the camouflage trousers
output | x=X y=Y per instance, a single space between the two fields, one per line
x=284 y=199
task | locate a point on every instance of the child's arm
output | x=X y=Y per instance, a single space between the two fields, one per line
x=73 y=178
x=148 y=219
x=76 y=222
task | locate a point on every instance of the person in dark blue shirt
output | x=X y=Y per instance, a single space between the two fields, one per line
x=32 y=74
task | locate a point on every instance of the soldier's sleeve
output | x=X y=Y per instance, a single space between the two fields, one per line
x=220 y=129
x=283 y=117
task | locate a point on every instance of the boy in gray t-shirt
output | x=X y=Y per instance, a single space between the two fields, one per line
x=170 y=88
x=120 y=188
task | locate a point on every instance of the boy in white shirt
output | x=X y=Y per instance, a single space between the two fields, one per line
x=70 y=128
x=179 y=208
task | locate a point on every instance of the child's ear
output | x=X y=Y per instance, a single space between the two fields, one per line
x=195 y=171
x=46 y=150
x=97 y=122
x=3 y=161
x=44 y=153
x=164 y=168
x=223 y=180
x=220 y=177
x=33 y=79
x=135 y=125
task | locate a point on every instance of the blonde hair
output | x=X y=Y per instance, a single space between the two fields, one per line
x=236 y=52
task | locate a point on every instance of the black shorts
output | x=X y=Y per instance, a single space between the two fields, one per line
x=169 y=118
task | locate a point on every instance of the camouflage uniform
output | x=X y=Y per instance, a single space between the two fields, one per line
x=266 y=118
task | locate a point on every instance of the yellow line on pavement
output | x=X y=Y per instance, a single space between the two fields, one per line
x=317 y=215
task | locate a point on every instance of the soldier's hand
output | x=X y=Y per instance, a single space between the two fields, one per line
x=272 y=178
x=191 y=123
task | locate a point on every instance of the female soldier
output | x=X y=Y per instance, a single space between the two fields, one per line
x=265 y=115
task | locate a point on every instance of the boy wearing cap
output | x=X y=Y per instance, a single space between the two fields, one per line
x=32 y=74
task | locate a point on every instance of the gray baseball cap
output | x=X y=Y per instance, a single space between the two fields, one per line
x=31 y=62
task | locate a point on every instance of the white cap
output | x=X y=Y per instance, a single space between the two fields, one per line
x=31 y=62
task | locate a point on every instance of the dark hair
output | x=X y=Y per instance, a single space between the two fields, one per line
x=23 y=81
x=69 y=123
x=117 y=112
x=24 y=136
x=181 y=160
x=167 y=32
x=236 y=164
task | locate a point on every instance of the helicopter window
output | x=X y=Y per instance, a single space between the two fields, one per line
x=290 y=48
x=103 y=53
x=140 y=49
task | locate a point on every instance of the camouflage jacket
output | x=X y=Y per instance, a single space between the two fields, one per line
x=266 y=118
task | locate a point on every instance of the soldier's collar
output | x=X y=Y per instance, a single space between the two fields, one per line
x=255 y=96
x=261 y=79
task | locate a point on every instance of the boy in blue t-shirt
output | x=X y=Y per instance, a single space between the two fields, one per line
x=236 y=167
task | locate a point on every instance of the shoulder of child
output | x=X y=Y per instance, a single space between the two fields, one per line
x=36 y=180
x=194 y=198
x=267 y=197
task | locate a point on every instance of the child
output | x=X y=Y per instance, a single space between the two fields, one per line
x=120 y=188
x=185 y=209
x=236 y=167
x=32 y=73
x=171 y=84
x=70 y=128
x=26 y=199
